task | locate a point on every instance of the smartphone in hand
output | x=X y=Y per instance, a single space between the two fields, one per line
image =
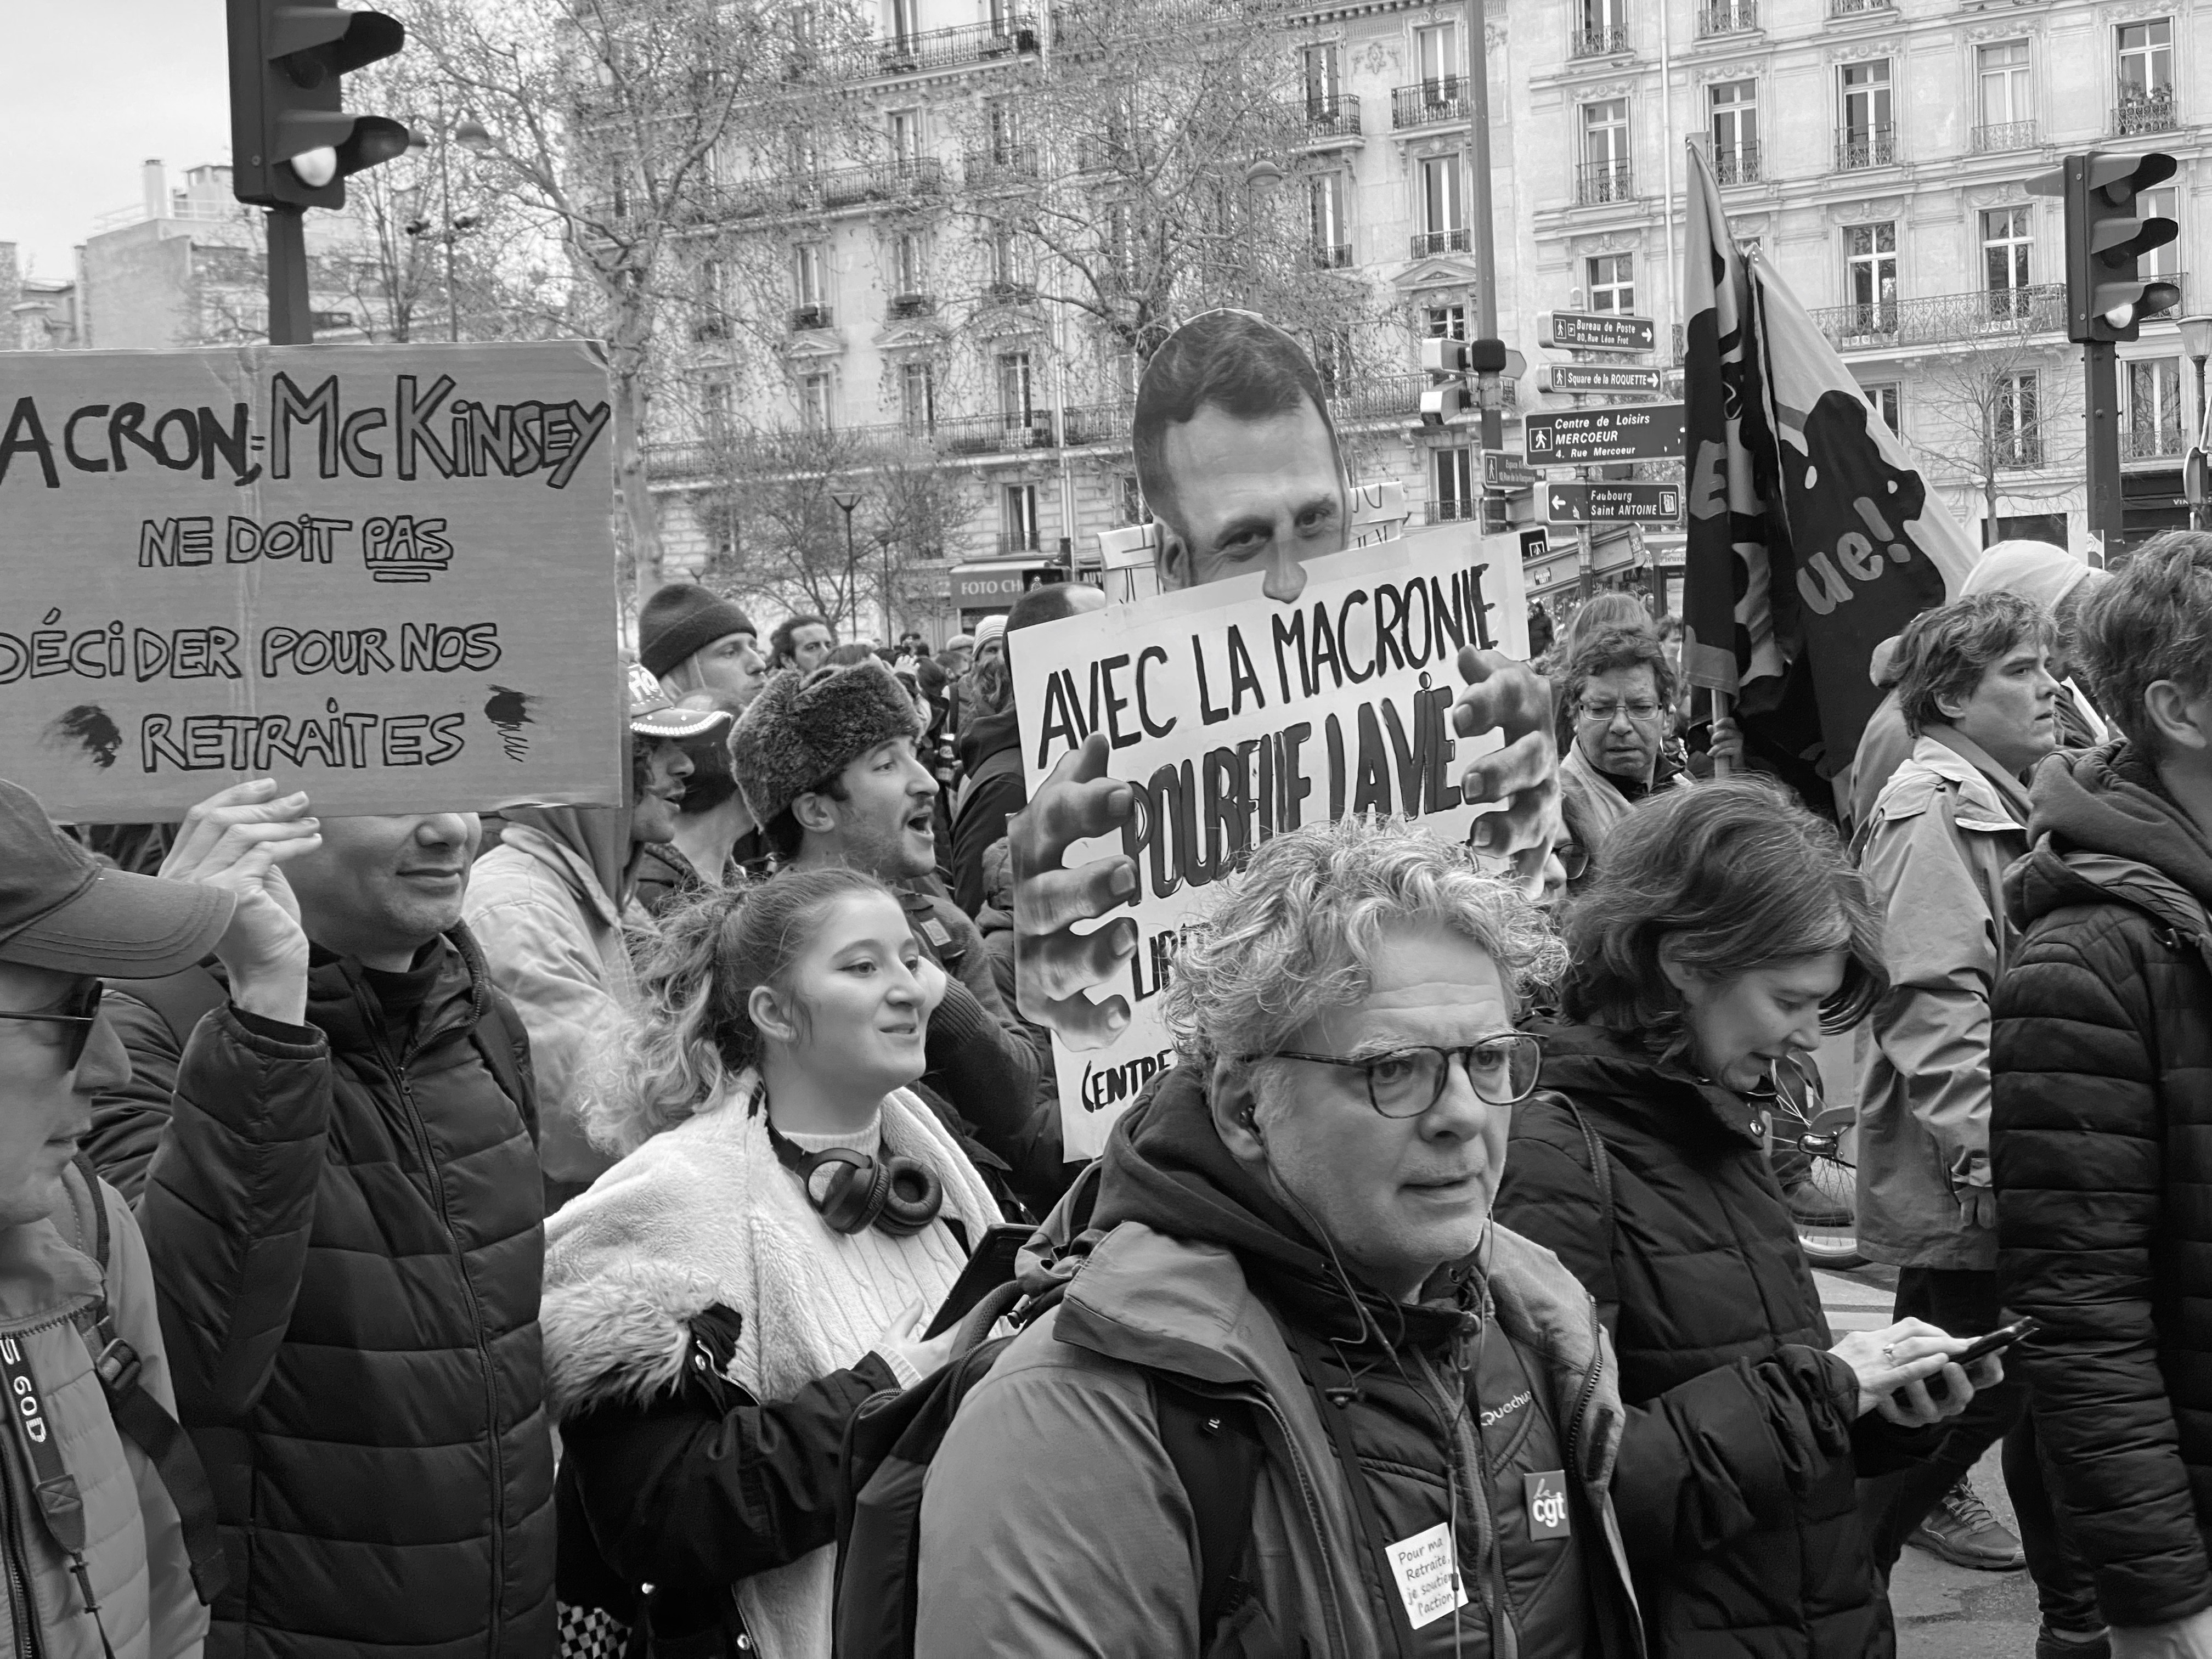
x=994 y=1263
x=1996 y=1342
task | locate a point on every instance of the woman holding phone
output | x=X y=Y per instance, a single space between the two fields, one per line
x=1724 y=930
x=785 y=1217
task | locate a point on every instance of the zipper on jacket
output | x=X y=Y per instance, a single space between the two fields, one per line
x=420 y=1131
x=1463 y=1446
x=1590 y=1392
x=22 y=1615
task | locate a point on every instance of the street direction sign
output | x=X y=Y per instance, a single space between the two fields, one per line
x=1612 y=503
x=1501 y=471
x=1621 y=432
x=1598 y=377
x=1598 y=330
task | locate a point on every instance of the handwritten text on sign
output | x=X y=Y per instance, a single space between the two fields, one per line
x=1235 y=716
x=384 y=574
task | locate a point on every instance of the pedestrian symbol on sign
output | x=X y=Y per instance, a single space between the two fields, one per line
x=1540 y=439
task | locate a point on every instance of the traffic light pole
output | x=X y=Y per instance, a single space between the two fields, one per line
x=1485 y=234
x=2100 y=404
x=290 y=323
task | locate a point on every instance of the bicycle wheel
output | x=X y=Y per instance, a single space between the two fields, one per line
x=1826 y=1216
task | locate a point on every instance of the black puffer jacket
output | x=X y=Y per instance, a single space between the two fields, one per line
x=1740 y=1429
x=345 y=1227
x=2102 y=1149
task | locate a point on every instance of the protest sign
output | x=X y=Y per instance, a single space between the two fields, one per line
x=1236 y=715
x=384 y=574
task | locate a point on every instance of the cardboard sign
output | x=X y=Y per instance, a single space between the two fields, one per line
x=384 y=574
x=1236 y=716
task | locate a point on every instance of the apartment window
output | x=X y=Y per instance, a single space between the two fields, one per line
x=2019 y=437
x=1600 y=27
x=2154 y=407
x=1453 y=490
x=904 y=129
x=899 y=22
x=1888 y=398
x=810 y=268
x=1613 y=283
x=1322 y=80
x=2146 y=52
x=1017 y=388
x=1735 y=130
x=1442 y=216
x=714 y=405
x=1005 y=258
x=1867 y=139
x=909 y=263
x=714 y=288
x=1131 y=497
x=2004 y=85
x=1325 y=203
x=2164 y=203
x=1332 y=359
x=1435 y=54
x=2005 y=242
x=1003 y=121
x=1871 y=275
x=1017 y=511
x=1604 y=133
x=1446 y=322
x=917 y=397
x=814 y=400
x=806 y=152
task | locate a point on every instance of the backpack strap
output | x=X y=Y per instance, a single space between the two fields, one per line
x=181 y=998
x=1216 y=1453
x=1601 y=1164
x=139 y=1417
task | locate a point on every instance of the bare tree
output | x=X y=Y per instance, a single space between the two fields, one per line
x=2003 y=414
x=617 y=125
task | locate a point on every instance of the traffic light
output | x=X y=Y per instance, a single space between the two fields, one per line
x=291 y=144
x=1442 y=356
x=2107 y=296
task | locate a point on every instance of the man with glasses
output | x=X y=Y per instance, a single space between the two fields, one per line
x=1302 y=1383
x=106 y=1567
x=1616 y=697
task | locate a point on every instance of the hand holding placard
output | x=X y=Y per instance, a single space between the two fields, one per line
x=237 y=838
x=1513 y=699
x=1053 y=964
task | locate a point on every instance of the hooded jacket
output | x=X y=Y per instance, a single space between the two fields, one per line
x=1934 y=855
x=135 y=1553
x=344 y=1225
x=546 y=905
x=994 y=793
x=1053 y=1522
x=2102 y=1147
x=1737 y=1465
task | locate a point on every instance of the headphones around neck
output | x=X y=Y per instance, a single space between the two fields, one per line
x=852 y=1192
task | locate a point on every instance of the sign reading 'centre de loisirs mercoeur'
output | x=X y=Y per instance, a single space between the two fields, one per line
x=1234 y=716
x=384 y=574
x=1623 y=432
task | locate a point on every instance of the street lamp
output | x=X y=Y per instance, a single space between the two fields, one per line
x=2197 y=341
x=471 y=135
x=846 y=501
x=883 y=546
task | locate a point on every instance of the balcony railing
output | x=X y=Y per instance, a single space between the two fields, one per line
x=1012 y=543
x=1853 y=8
x=936 y=49
x=1378 y=397
x=824 y=188
x=2019 y=452
x=1008 y=294
x=906 y=307
x=1729 y=17
x=1094 y=423
x=1738 y=166
x=1866 y=147
x=1426 y=242
x=1598 y=40
x=812 y=316
x=1599 y=182
x=2152 y=443
x=2143 y=109
x=2003 y=135
x=1334 y=115
x=1332 y=256
x=999 y=164
x=1945 y=318
x=1427 y=103
x=1456 y=511
x=995 y=435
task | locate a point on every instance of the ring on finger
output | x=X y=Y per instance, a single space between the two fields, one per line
x=1889 y=1353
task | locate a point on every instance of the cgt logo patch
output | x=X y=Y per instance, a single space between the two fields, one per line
x=1547 y=1502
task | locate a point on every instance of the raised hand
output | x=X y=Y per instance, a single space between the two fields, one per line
x=1052 y=963
x=237 y=838
x=1513 y=699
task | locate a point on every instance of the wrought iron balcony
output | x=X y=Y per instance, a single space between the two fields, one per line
x=1599 y=182
x=1095 y=423
x=906 y=307
x=1866 y=147
x=1379 y=397
x=812 y=316
x=1332 y=115
x=1013 y=543
x=1853 y=8
x=1426 y=242
x=1597 y=40
x=2003 y=135
x=1945 y=318
x=995 y=435
x=2019 y=452
x=1729 y=17
x=936 y=49
x=1458 y=512
x=1000 y=164
x=1427 y=103
x=822 y=189
x=1332 y=256
x=2143 y=109
x=1738 y=166
x=2147 y=442
x=1009 y=293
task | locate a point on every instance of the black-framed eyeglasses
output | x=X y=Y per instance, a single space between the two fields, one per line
x=1792 y=1088
x=1406 y=1082
x=80 y=1014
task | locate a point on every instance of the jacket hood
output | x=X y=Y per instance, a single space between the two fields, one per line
x=987 y=734
x=1660 y=1090
x=1166 y=1166
x=2104 y=832
x=599 y=836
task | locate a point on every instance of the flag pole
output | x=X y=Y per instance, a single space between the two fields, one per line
x=1721 y=768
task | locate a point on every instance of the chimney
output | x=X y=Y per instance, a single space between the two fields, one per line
x=154 y=181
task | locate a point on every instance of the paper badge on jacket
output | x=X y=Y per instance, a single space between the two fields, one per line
x=1427 y=1574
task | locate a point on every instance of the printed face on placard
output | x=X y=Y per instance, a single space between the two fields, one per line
x=1237 y=457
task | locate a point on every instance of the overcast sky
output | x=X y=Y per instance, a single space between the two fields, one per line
x=92 y=89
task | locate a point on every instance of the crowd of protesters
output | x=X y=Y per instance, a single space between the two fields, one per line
x=425 y=1236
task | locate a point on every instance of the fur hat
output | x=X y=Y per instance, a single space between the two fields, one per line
x=801 y=731
x=681 y=618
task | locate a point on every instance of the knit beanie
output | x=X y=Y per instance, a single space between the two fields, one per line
x=681 y=618
x=991 y=628
x=800 y=731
